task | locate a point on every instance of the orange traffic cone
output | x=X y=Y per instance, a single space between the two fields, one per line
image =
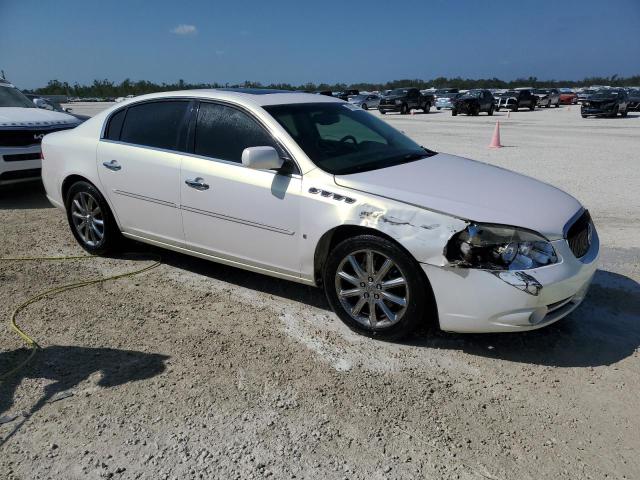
x=495 y=141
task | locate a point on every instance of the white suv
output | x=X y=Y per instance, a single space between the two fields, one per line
x=315 y=190
x=22 y=126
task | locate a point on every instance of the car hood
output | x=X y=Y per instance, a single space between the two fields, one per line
x=471 y=190
x=33 y=117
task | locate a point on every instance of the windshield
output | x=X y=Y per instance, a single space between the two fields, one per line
x=12 y=97
x=605 y=94
x=587 y=92
x=473 y=93
x=399 y=91
x=342 y=139
x=541 y=90
x=510 y=93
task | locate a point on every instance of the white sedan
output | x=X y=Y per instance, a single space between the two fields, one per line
x=312 y=189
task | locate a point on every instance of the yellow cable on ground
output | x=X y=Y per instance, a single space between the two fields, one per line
x=30 y=342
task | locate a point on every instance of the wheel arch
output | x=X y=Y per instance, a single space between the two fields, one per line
x=333 y=237
x=74 y=178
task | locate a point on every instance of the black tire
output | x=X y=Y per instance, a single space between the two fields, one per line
x=558 y=105
x=365 y=107
x=454 y=112
x=404 y=109
x=515 y=108
x=418 y=292
x=584 y=116
x=490 y=112
x=438 y=108
x=476 y=111
x=532 y=107
x=624 y=114
x=382 y=112
x=547 y=105
x=111 y=236
x=427 y=107
x=615 y=112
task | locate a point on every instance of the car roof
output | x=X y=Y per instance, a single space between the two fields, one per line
x=254 y=96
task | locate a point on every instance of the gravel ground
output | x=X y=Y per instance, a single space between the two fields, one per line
x=196 y=370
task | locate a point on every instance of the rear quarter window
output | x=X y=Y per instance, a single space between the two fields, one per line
x=114 y=127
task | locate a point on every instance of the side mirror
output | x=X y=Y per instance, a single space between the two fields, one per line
x=261 y=158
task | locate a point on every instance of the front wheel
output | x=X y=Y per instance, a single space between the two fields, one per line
x=438 y=108
x=382 y=112
x=91 y=220
x=490 y=112
x=404 y=109
x=454 y=112
x=365 y=107
x=427 y=107
x=375 y=287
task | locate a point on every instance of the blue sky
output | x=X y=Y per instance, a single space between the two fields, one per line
x=329 y=41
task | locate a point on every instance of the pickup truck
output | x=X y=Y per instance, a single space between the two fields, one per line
x=403 y=100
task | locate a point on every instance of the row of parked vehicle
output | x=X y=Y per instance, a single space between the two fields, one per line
x=603 y=101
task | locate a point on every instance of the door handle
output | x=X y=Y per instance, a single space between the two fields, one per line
x=197 y=183
x=112 y=165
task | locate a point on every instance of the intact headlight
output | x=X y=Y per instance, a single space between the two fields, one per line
x=498 y=247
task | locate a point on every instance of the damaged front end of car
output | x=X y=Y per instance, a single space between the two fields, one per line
x=504 y=251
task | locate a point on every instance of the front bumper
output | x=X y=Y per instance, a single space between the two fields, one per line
x=597 y=111
x=471 y=300
x=390 y=108
x=19 y=164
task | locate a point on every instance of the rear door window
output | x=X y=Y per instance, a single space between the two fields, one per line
x=157 y=124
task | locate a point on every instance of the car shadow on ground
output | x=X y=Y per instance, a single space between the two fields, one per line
x=65 y=367
x=603 y=330
x=26 y=195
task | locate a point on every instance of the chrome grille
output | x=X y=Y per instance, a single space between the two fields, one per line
x=579 y=235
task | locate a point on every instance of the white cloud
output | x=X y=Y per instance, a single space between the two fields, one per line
x=184 y=29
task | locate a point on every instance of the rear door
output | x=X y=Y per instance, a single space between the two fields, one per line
x=138 y=163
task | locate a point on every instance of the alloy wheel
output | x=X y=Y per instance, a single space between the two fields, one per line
x=372 y=289
x=88 y=219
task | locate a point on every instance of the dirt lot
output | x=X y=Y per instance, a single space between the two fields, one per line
x=196 y=370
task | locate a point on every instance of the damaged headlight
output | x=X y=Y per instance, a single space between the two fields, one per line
x=498 y=247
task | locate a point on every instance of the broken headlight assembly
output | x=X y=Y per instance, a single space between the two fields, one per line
x=499 y=247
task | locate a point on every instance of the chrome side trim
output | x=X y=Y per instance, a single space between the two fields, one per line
x=146 y=199
x=236 y=220
x=291 y=276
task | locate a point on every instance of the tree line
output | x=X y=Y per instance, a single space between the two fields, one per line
x=108 y=88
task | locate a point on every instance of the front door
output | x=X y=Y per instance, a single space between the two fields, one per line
x=232 y=212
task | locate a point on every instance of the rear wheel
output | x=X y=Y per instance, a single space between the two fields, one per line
x=624 y=114
x=365 y=107
x=375 y=287
x=91 y=220
x=382 y=112
x=532 y=107
x=427 y=107
x=454 y=112
x=490 y=112
x=438 y=108
x=404 y=109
